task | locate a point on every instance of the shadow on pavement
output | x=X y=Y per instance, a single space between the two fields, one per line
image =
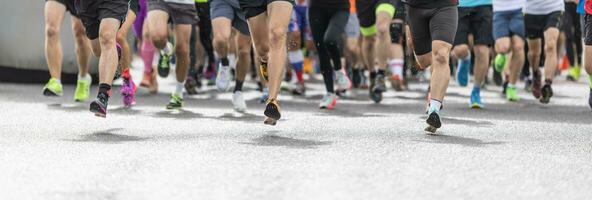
x=243 y=117
x=177 y=114
x=125 y=110
x=270 y=139
x=473 y=123
x=449 y=139
x=108 y=137
x=68 y=107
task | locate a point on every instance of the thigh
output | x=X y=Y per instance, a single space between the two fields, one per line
x=221 y=27
x=501 y=25
x=182 y=35
x=464 y=26
x=337 y=24
x=318 y=24
x=278 y=14
x=183 y=13
x=482 y=25
x=443 y=24
x=157 y=22
x=419 y=25
x=534 y=26
x=54 y=13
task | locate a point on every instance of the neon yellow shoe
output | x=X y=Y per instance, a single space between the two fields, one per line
x=53 y=88
x=574 y=73
x=176 y=102
x=512 y=94
x=500 y=62
x=83 y=89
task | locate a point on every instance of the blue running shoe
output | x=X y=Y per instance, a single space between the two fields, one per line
x=462 y=72
x=476 y=99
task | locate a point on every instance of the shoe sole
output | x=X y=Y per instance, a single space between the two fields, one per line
x=49 y=93
x=96 y=109
x=273 y=114
x=476 y=106
x=270 y=121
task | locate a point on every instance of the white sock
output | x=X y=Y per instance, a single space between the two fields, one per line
x=232 y=60
x=396 y=66
x=83 y=76
x=434 y=106
x=179 y=88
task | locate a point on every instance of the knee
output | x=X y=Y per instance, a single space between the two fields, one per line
x=460 y=51
x=383 y=29
x=481 y=51
x=331 y=42
x=502 y=48
x=107 y=39
x=221 y=39
x=159 y=40
x=262 y=51
x=550 y=46
x=441 y=56
x=369 y=42
x=278 y=36
x=181 y=49
x=518 y=48
x=52 y=31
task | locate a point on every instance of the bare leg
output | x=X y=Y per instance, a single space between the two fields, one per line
x=54 y=16
x=82 y=45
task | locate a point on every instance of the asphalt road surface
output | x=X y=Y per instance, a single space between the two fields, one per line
x=53 y=148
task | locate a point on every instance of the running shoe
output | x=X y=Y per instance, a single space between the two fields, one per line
x=238 y=101
x=210 y=73
x=164 y=62
x=396 y=82
x=476 y=99
x=191 y=86
x=462 y=72
x=433 y=122
x=547 y=93
x=378 y=88
x=328 y=101
x=300 y=89
x=343 y=82
x=53 y=88
x=497 y=78
x=263 y=71
x=223 y=78
x=83 y=89
x=500 y=62
x=272 y=112
x=128 y=89
x=536 y=85
x=264 y=96
x=590 y=99
x=528 y=84
x=505 y=87
x=512 y=94
x=176 y=102
x=99 y=106
x=574 y=73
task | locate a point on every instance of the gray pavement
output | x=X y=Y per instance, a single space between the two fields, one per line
x=53 y=148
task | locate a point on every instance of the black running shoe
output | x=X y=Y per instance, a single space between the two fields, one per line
x=99 y=106
x=191 y=85
x=536 y=85
x=378 y=88
x=434 y=122
x=272 y=112
x=505 y=86
x=497 y=78
x=547 y=93
x=590 y=99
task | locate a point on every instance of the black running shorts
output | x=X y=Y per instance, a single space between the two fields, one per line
x=134 y=5
x=536 y=25
x=252 y=8
x=179 y=13
x=69 y=6
x=476 y=21
x=429 y=24
x=91 y=12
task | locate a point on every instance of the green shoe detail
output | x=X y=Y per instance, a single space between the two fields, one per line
x=512 y=94
x=53 y=88
x=82 y=89
x=176 y=102
x=590 y=82
x=500 y=62
x=574 y=73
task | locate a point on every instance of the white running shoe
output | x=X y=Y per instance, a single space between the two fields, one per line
x=328 y=101
x=343 y=82
x=238 y=101
x=223 y=78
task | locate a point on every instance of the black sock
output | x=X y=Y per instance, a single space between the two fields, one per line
x=104 y=90
x=548 y=81
x=238 y=86
x=372 y=75
x=380 y=72
x=224 y=61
